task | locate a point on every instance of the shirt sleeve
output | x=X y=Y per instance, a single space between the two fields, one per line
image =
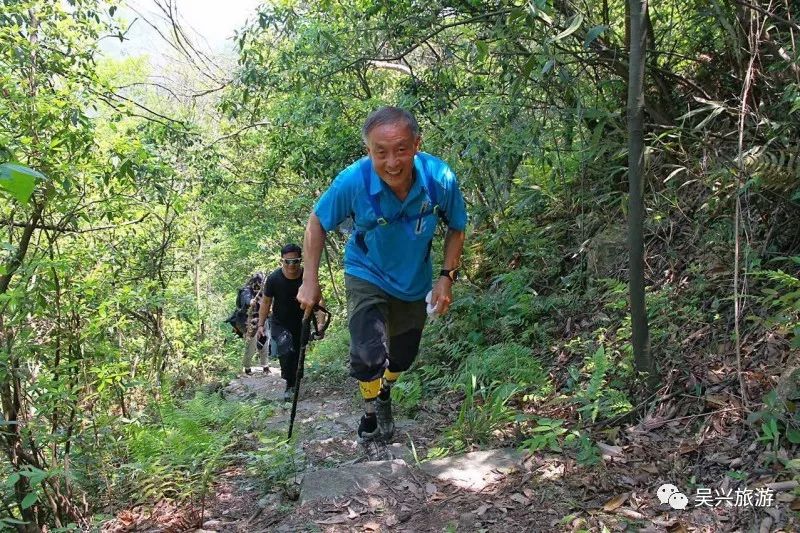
x=453 y=204
x=269 y=287
x=336 y=203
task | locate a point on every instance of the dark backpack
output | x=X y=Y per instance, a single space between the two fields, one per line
x=238 y=319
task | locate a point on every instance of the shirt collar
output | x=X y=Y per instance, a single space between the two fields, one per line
x=374 y=180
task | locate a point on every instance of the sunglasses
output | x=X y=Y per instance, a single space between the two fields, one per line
x=293 y=261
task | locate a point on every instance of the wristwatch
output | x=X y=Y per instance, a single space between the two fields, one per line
x=449 y=273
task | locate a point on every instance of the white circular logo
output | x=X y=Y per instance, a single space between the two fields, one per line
x=669 y=494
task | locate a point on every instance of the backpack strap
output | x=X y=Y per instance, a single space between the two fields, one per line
x=428 y=184
x=374 y=201
x=432 y=191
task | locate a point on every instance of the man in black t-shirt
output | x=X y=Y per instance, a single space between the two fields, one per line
x=285 y=315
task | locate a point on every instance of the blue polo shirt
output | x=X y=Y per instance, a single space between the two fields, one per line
x=397 y=257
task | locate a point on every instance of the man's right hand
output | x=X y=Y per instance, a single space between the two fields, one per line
x=260 y=331
x=309 y=295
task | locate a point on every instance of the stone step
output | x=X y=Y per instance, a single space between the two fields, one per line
x=475 y=470
x=350 y=480
x=472 y=471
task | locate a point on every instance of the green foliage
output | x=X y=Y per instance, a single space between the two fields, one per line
x=18 y=180
x=781 y=296
x=484 y=411
x=327 y=360
x=551 y=435
x=546 y=435
x=590 y=397
x=777 y=422
x=598 y=399
x=274 y=462
x=407 y=393
x=506 y=363
x=174 y=455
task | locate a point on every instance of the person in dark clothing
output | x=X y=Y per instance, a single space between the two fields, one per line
x=253 y=343
x=280 y=305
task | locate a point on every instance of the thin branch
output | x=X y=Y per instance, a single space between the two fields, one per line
x=237 y=132
x=387 y=65
x=753 y=38
x=171 y=13
x=64 y=229
x=213 y=90
x=145 y=108
x=768 y=13
x=150 y=84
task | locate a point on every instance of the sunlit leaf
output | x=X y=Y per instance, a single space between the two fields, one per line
x=19 y=180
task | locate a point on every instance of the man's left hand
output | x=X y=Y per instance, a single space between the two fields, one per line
x=442 y=295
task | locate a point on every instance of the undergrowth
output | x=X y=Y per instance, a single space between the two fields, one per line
x=174 y=452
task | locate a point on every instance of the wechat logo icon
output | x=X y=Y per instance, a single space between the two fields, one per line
x=668 y=493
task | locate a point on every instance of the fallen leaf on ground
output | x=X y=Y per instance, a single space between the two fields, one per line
x=610 y=449
x=483 y=508
x=717 y=400
x=615 y=502
x=351 y=514
x=677 y=527
x=630 y=513
x=519 y=498
x=340 y=519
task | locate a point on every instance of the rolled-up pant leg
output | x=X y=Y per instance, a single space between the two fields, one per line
x=286 y=346
x=249 y=350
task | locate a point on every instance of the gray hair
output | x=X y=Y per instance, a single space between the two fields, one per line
x=389 y=115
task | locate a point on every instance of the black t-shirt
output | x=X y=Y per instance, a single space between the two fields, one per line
x=283 y=291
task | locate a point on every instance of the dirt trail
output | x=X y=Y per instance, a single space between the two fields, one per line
x=335 y=489
x=339 y=490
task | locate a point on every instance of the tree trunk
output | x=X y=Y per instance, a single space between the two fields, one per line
x=201 y=332
x=638 y=45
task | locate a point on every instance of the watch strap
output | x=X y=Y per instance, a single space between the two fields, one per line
x=449 y=273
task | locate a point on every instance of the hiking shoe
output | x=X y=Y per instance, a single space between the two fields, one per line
x=368 y=428
x=383 y=410
x=288 y=394
x=247 y=370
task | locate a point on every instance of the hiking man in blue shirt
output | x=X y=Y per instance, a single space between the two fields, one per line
x=396 y=196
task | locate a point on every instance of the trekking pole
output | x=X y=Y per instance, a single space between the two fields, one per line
x=305 y=334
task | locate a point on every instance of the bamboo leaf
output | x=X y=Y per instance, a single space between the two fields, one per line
x=29 y=500
x=593 y=34
x=574 y=24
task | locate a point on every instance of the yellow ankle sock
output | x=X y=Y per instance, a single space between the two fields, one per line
x=370 y=389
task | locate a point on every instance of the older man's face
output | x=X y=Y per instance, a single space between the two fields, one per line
x=392 y=148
